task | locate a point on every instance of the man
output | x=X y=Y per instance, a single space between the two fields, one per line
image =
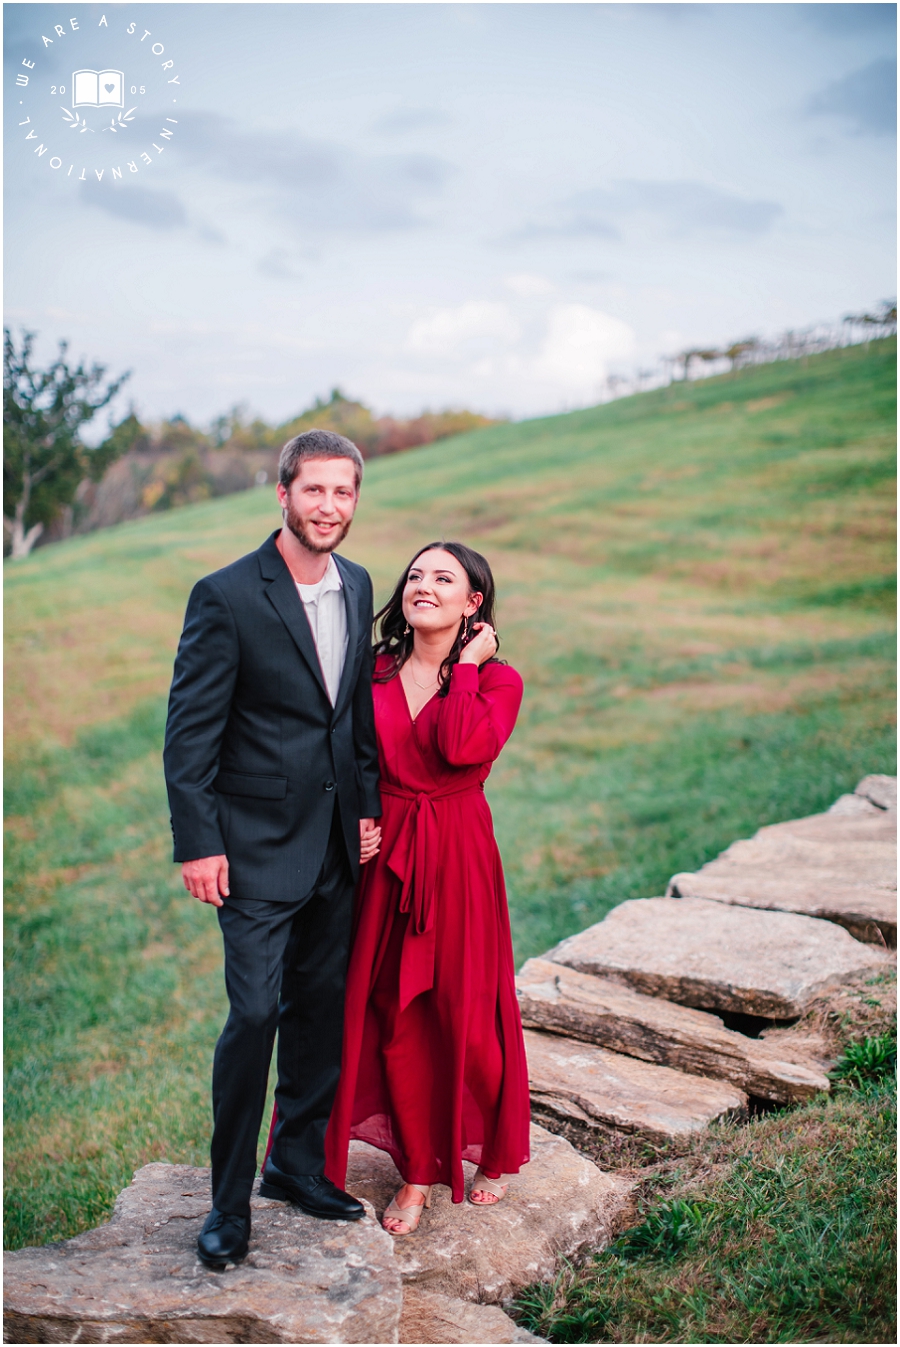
x=272 y=773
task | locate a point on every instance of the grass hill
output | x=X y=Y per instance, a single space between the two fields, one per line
x=697 y=586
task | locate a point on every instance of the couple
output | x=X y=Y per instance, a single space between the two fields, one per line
x=306 y=770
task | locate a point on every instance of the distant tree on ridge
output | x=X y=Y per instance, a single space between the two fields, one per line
x=44 y=461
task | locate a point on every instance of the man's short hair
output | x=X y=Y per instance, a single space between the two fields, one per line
x=316 y=444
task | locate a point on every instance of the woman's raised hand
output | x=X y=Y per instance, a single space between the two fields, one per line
x=482 y=646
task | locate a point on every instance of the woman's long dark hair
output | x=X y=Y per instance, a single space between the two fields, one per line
x=396 y=640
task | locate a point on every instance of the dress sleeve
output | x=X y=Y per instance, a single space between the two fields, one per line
x=478 y=714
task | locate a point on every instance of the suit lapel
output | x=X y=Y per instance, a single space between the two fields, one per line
x=283 y=596
x=351 y=604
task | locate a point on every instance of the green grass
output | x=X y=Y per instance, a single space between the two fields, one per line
x=779 y=1231
x=696 y=584
x=872 y=1059
x=113 y=989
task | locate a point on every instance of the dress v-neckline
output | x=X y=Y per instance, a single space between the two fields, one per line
x=413 y=718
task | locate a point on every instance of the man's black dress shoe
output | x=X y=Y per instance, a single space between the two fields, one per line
x=313 y=1193
x=223 y=1239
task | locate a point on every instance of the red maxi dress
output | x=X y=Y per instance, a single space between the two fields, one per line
x=434 y=1068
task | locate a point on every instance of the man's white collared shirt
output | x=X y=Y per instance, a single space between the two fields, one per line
x=324 y=607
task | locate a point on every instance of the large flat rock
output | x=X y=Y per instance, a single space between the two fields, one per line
x=717 y=956
x=429 y=1316
x=558 y=1204
x=596 y=1010
x=138 y=1279
x=840 y=866
x=593 y=1086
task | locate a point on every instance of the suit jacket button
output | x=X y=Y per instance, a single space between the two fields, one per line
x=329 y=785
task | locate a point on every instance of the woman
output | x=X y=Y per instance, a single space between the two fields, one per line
x=434 y=1067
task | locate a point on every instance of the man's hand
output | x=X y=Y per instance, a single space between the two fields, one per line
x=206 y=879
x=369 y=839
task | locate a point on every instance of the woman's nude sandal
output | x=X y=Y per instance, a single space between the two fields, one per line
x=482 y=1184
x=410 y=1216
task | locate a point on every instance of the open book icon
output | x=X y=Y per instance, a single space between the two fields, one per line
x=98 y=89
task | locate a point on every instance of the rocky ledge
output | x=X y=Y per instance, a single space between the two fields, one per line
x=137 y=1279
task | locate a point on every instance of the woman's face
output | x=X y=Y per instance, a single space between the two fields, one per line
x=437 y=595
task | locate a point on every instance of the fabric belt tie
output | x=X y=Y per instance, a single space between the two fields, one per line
x=414 y=861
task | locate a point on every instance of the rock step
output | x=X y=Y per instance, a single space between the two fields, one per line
x=840 y=866
x=430 y=1317
x=137 y=1279
x=578 y=1082
x=559 y=1204
x=716 y=956
x=880 y=790
x=596 y=1010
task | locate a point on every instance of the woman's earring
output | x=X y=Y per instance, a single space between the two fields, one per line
x=406 y=630
x=465 y=628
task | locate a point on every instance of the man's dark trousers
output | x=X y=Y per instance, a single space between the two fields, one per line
x=285 y=967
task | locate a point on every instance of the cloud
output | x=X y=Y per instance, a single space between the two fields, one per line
x=555 y=359
x=579 y=345
x=464 y=331
x=676 y=208
x=867 y=98
x=576 y=224
x=405 y=120
x=321 y=187
x=528 y=286
x=209 y=234
x=590 y=276
x=278 y=264
x=19 y=44
x=140 y=205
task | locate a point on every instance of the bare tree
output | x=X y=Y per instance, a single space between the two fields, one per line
x=683 y=360
x=738 y=351
x=882 y=323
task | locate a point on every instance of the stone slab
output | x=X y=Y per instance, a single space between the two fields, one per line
x=596 y=1010
x=431 y=1317
x=719 y=957
x=583 y=1083
x=854 y=804
x=840 y=866
x=137 y=1279
x=881 y=790
x=558 y=1204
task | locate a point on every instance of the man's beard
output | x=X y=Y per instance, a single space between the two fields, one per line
x=297 y=526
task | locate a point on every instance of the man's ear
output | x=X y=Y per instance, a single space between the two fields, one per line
x=281 y=494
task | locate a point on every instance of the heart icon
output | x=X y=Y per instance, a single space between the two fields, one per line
x=109 y=88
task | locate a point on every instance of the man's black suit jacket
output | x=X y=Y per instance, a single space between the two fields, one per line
x=256 y=757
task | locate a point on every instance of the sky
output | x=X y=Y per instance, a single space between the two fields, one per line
x=492 y=206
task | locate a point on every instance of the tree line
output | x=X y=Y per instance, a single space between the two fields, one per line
x=698 y=362
x=54 y=484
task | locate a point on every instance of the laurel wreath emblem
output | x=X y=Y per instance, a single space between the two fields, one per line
x=121 y=122
x=76 y=122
